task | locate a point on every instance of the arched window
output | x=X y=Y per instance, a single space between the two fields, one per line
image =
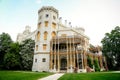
x=38 y=36
x=46 y=23
x=53 y=34
x=45 y=35
x=54 y=25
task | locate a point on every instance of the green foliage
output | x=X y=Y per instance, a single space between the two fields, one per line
x=12 y=58
x=21 y=75
x=26 y=52
x=89 y=61
x=15 y=56
x=111 y=48
x=5 y=41
x=97 y=67
x=11 y=61
x=91 y=76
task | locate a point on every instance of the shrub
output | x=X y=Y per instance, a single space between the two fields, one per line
x=97 y=67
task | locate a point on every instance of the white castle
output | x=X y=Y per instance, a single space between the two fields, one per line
x=58 y=46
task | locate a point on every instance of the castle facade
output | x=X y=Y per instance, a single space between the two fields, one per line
x=59 y=46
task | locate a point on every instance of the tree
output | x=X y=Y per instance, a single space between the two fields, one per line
x=26 y=52
x=12 y=57
x=111 y=48
x=97 y=67
x=5 y=41
x=89 y=61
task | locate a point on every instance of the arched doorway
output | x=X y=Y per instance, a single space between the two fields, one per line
x=63 y=65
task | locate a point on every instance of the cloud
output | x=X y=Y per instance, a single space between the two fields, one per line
x=38 y=1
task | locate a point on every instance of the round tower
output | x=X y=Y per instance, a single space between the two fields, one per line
x=46 y=30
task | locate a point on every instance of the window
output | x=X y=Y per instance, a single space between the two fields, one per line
x=54 y=17
x=35 y=60
x=46 y=23
x=39 y=25
x=43 y=59
x=53 y=34
x=45 y=35
x=36 y=47
x=63 y=35
x=46 y=15
x=44 y=46
x=54 y=25
x=38 y=36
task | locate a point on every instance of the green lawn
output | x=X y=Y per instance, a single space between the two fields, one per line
x=91 y=76
x=21 y=75
x=27 y=75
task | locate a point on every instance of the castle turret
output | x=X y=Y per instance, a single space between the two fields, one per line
x=46 y=30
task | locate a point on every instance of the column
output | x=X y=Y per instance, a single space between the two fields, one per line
x=73 y=53
x=67 y=54
x=51 y=46
x=70 y=57
x=82 y=60
x=58 y=57
x=77 y=60
x=54 y=66
x=85 y=60
x=55 y=56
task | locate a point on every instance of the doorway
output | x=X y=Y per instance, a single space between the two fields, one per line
x=63 y=65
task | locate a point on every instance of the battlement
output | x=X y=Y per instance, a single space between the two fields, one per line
x=50 y=8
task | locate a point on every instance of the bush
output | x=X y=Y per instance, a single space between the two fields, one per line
x=89 y=61
x=97 y=67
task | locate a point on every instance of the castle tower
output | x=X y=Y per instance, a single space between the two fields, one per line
x=46 y=30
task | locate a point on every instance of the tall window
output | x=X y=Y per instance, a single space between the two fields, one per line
x=54 y=25
x=39 y=25
x=36 y=47
x=45 y=35
x=46 y=23
x=53 y=34
x=44 y=46
x=38 y=36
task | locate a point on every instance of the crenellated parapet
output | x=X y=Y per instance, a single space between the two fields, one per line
x=48 y=8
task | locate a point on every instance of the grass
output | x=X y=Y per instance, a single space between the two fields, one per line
x=22 y=75
x=91 y=76
x=27 y=75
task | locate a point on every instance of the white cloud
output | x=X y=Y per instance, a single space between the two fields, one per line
x=38 y=1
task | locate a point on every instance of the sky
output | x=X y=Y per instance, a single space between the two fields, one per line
x=97 y=17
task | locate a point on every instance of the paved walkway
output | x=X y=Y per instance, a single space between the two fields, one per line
x=53 y=77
